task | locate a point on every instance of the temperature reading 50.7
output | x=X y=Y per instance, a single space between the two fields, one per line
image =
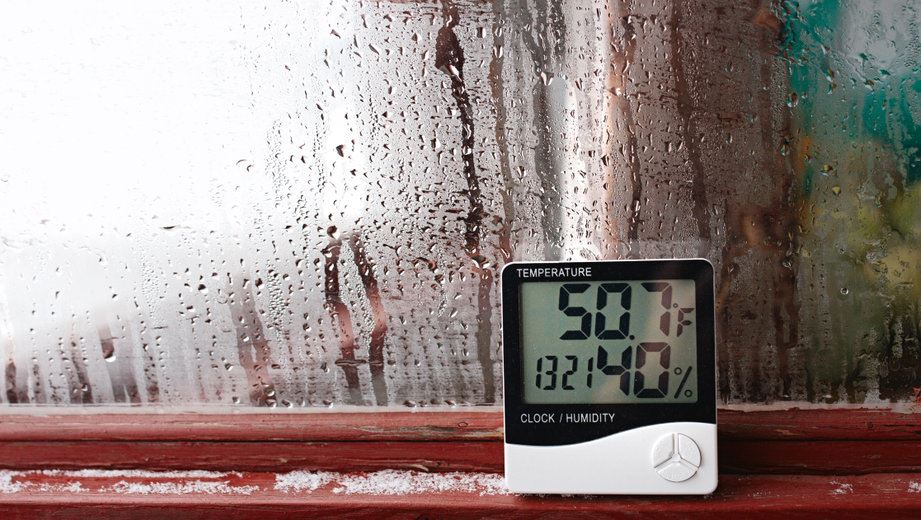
x=625 y=292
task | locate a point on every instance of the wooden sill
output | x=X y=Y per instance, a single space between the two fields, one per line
x=261 y=496
x=813 y=441
x=805 y=461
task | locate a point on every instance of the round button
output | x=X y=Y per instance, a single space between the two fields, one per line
x=676 y=457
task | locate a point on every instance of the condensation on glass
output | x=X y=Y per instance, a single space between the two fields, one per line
x=307 y=204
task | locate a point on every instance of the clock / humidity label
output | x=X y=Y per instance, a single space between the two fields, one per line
x=610 y=362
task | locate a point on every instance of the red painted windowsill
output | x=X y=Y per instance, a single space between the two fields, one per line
x=818 y=441
x=850 y=461
x=258 y=496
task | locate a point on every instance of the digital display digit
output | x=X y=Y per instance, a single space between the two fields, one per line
x=609 y=342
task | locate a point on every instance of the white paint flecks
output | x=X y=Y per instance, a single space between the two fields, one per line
x=139 y=482
x=914 y=487
x=842 y=489
x=70 y=487
x=8 y=485
x=181 y=488
x=153 y=483
x=393 y=482
x=6 y=482
x=303 y=480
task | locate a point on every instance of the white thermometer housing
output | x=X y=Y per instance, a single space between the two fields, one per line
x=610 y=379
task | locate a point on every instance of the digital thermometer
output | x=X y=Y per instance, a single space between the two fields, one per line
x=609 y=377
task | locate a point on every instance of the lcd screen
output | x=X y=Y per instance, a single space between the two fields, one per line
x=609 y=342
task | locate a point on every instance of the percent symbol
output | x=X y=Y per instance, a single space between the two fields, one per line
x=684 y=381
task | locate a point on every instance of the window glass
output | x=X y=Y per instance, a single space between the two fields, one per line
x=242 y=204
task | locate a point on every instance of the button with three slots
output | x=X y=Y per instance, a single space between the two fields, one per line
x=676 y=457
